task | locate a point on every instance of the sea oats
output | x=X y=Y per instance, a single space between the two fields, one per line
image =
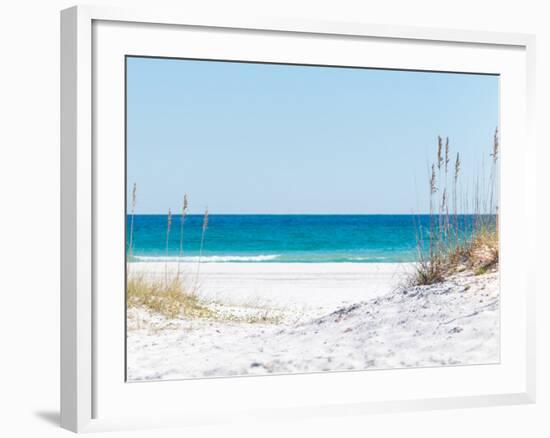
x=204 y=227
x=446 y=154
x=471 y=242
x=205 y=220
x=182 y=221
x=131 y=237
x=496 y=145
x=433 y=187
x=168 y=227
x=439 y=152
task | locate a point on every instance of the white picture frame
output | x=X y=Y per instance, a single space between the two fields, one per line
x=92 y=386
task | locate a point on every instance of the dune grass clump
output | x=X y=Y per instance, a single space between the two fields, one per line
x=478 y=254
x=456 y=242
x=175 y=294
x=482 y=251
x=429 y=271
x=170 y=298
x=173 y=299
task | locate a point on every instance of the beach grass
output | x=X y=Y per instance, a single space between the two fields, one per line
x=451 y=245
x=174 y=296
x=480 y=254
x=169 y=296
x=174 y=299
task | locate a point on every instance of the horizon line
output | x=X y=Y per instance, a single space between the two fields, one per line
x=309 y=214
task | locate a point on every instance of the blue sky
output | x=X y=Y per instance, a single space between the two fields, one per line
x=260 y=138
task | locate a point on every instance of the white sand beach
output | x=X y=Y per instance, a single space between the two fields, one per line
x=312 y=289
x=322 y=317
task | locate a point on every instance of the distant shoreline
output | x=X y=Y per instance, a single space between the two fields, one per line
x=256 y=259
x=200 y=214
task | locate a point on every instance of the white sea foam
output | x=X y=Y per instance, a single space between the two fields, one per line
x=364 y=259
x=210 y=259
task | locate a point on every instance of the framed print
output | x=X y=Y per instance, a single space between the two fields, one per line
x=281 y=218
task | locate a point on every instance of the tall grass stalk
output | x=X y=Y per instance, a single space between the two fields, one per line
x=433 y=191
x=204 y=228
x=182 y=221
x=131 y=239
x=168 y=228
x=131 y=243
x=455 y=199
x=494 y=173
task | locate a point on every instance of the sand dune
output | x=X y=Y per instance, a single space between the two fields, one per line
x=369 y=322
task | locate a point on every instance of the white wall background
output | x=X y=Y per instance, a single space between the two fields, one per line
x=29 y=219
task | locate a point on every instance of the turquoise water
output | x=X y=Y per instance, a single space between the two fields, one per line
x=281 y=238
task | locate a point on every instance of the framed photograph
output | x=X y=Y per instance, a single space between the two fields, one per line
x=280 y=218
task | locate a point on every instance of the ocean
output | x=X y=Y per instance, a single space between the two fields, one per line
x=280 y=238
